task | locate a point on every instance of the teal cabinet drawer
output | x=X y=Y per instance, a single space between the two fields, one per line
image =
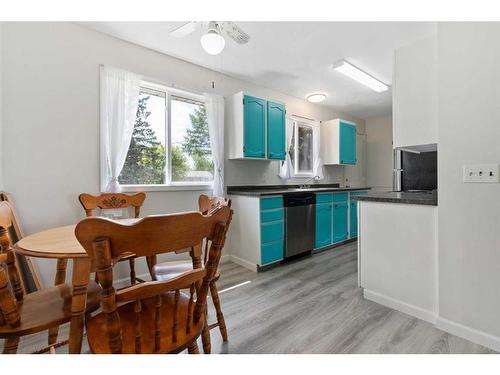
x=271 y=252
x=271 y=215
x=323 y=197
x=359 y=193
x=272 y=231
x=339 y=197
x=269 y=203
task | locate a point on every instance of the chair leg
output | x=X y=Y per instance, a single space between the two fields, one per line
x=131 y=262
x=193 y=348
x=220 y=316
x=205 y=336
x=10 y=346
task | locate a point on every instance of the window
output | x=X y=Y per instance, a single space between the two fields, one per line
x=302 y=149
x=170 y=143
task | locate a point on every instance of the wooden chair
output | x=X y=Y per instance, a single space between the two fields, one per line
x=154 y=316
x=169 y=270
x=114 y=201
x=21 y=314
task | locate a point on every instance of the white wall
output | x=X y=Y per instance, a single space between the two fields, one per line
x=51 y=119
x=469 y=214
x=379 y=153
x=1 y=106
x=415 y=94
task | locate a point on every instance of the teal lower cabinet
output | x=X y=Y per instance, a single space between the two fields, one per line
x=353 y=219
x=323 y=224
x=353 y=214
x=272 y=230
x=340 y=210
x=336 y=218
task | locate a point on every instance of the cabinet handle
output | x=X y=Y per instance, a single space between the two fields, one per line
x=244 y=148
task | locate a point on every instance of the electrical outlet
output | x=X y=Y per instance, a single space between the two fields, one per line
x=481 y=173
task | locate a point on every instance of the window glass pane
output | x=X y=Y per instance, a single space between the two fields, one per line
x=146 y=157
x=191 y=154
x=305 y=149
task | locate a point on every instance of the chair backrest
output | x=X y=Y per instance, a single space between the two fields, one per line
x=110 y=201
x=11 y=288
x=207 y=204
x=105 y=240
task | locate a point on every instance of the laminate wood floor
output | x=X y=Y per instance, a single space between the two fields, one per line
x=311 y=305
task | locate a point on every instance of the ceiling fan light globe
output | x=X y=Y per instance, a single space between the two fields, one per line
x=212 y=42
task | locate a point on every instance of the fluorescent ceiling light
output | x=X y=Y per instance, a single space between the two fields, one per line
x=212 y=42
x=316 y=98
x=357 y=74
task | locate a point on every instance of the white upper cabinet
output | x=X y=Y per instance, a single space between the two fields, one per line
x=415 y=94
x=338 y=142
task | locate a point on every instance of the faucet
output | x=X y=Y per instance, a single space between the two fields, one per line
x=304 y=185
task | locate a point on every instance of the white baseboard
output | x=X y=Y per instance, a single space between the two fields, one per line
x=404 y=307
x=243 y=263
x=471 y=334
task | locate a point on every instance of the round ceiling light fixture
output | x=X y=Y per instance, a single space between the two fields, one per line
x=212 y=42
x=316 y=97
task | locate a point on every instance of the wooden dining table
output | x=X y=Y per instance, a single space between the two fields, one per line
x=60 y=243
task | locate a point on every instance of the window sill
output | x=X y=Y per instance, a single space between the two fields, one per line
x=172 y=187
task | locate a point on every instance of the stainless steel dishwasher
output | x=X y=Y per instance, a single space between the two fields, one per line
x=300 y=223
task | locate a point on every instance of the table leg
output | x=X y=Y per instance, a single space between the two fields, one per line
x=81 y=275
x=59 y=279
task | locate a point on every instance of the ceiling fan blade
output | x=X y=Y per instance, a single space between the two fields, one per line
x=235 y=33
x=184 y=30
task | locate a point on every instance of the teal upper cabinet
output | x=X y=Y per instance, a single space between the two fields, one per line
x=347 y=143
x=338 y=142
x=256 y=129
x=254 y=124
x=323 y=224
x=275 y=131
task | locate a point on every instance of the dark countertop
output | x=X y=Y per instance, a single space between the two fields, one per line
x=422 y=198
x=257 y=191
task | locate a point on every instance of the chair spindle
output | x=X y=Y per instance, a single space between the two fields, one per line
x=176 y=315
x=138 y=326
x=157 y=322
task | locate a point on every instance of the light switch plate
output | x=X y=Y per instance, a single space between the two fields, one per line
x=481 y=173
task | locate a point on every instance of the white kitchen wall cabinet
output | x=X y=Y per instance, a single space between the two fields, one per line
x=338 y=142
x=257 y=128
x=415 y=94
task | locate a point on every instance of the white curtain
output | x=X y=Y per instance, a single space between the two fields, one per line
x=215 y=116
x=119 y=100
x=286 y=168
x=318 y=163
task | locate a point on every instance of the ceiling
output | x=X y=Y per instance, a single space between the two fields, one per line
x=293 y=57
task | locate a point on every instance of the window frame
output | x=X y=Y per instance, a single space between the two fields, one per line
x=170 y=185
x=315 y=128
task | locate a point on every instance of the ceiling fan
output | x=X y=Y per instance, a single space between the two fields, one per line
x=212 y=41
